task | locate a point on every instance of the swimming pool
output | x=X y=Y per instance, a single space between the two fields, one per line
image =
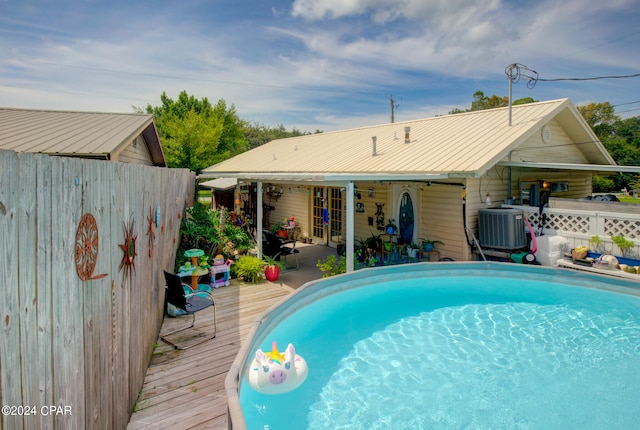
x=452 y=345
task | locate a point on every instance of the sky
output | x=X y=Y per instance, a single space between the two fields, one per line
x=316 y=64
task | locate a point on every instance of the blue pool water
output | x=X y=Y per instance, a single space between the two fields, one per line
x=457 y=347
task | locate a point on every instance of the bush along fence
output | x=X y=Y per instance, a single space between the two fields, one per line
x=83 y=245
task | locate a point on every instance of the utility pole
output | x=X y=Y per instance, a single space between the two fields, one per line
x=514 y=73
x=393 y=108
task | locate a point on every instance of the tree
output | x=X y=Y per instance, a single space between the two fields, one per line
x=621 y=138
x=482 y=102
x=195 y=134
x=258 y=134
x=191 y=141
x=600 y=117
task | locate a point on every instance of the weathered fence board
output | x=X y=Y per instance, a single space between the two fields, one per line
x=69 y=343
x=44 y=297
x=9 y=298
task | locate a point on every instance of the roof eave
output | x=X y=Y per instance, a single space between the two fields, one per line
x=325 y=177
x=597 y=168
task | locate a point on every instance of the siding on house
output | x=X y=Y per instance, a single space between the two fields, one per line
x=561 y=147
x=137 y=153
x=439 y=204
x=381 y=196
x=441 y=218
x=294 y=203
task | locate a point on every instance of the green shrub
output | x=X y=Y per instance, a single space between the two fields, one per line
x=249 y=268
x=211 y=231
x=332 y=266
x=625 y=245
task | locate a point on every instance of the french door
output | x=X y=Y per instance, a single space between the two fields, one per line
x=327 y=213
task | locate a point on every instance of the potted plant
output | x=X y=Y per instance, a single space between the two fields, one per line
x=428 y=245
x=278 y=229
x=249 y=268
x=596 y=244
x=391 y=228
x=623 y=244
x=272 y=267
x=413 y=250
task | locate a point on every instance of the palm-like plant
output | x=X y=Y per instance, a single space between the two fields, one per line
x=272 y=267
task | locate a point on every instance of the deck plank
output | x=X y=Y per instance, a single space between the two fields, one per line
x=185 y=389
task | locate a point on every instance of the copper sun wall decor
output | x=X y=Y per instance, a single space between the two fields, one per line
x=129 y=249
x=87 y=248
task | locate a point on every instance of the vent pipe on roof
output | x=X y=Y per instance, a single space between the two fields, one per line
x=407 y=129
x=373 y=150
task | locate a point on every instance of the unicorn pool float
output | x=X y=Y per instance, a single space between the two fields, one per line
x=276 y=373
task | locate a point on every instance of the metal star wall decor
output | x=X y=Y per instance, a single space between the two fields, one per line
x=87 y=248
x=129 y=249
x=151 y=232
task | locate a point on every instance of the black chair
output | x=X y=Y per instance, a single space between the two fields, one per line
x=189 y=304
x=276 y=247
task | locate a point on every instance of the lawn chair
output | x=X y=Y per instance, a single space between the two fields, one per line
x=187 y=304
x=275 y=247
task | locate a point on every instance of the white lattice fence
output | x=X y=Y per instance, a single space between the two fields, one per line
x=615 y=226
x=579 y=226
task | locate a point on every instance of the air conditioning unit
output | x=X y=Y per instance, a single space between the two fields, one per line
x=501 y=228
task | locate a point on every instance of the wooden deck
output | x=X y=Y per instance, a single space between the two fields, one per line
x=185 y=389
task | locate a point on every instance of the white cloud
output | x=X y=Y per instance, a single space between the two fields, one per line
x=327 y=64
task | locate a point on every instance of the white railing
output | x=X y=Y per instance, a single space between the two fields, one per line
x=579 y=226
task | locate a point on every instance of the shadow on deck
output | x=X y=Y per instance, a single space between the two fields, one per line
x=185 y=389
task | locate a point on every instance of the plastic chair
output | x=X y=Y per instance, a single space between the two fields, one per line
x=189 y=304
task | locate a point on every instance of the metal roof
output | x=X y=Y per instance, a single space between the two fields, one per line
x=220 y=183
x=86 y=134
x=459 y=145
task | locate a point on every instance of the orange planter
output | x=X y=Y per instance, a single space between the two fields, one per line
x=283 y=234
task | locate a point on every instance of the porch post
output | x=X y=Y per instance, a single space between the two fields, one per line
x=350 y=221
x=259 y=217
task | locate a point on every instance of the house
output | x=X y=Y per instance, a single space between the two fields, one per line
x=128 y=138
x=430 y=175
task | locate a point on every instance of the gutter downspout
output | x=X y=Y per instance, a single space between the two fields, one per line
x=509 y=195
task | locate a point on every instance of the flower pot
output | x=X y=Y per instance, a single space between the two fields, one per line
x=413 y=252
x=391 y=230
x=271 y=273
x=428 y=247
x=284 y=234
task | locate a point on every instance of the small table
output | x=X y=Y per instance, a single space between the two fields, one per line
x=195 y=272
x=292 y=232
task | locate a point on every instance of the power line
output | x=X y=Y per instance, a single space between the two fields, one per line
x=187 y=78
x=517 y=71
x=635 y=75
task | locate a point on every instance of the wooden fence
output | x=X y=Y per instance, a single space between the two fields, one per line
x=73 y=353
